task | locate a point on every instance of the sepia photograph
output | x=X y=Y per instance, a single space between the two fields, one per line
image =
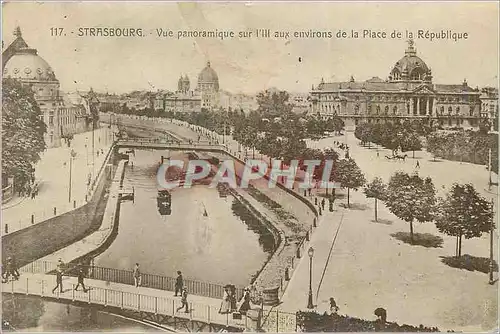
x=250 y=166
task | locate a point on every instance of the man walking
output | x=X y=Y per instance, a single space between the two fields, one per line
x=179 y=283
x=137 y=275
x=59 y=275
x=81 y=276
x=183 y=301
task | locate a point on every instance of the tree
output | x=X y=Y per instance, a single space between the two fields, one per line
x=464 y=213
x=349 y=175
x=411 y=142
x=376 y=189
x=22 y=132
x=411 y=198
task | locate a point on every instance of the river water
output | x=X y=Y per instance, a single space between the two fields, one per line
x=226 y=246
x=32 y=314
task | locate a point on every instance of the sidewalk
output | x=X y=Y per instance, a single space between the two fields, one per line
x=296 y=295
x=52 y=173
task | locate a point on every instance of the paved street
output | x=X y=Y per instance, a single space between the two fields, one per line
x=52 y=173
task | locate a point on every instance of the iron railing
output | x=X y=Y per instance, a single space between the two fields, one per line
x=198 y=311
x=194 y=287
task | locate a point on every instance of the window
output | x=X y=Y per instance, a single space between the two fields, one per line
x=450 y=110
x=471 y=110
x=442 y=110
x=369 y=110
x=378 y=110
x=386 y=110
x=458 y=110
x=51 y=120
x=395 y=110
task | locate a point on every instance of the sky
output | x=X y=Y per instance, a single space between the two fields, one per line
x=249 y=65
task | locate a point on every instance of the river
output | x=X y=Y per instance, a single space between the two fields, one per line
x=226 y=246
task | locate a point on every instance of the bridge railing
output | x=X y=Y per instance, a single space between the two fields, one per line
x=169 y=306
x=194 y=287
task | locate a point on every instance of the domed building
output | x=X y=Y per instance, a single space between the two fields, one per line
x=23 y=63
x=407 y=93
x=208 y=87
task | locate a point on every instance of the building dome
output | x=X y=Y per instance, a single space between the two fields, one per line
x=25 y=64
x=410 y=67
x=209 y=76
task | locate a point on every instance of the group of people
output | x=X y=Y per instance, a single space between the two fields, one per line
x=10 y=269
x=180 y=289
x=229 y=304
x=59 y=278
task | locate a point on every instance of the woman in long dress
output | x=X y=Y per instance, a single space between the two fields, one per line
x=245 y=305
x=225 y=304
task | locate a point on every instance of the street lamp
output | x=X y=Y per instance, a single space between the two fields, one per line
x=72 y=154
x=492 y=267
x=310 y=252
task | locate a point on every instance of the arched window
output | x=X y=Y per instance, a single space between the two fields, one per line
x=378 y=110
x=395 y=110
x=458 y=110
x=369 y=111
x=442 y=110
x=356 y=108
x=386 y=110
x=471 y=110
x=450 y=110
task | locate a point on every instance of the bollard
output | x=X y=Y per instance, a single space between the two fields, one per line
x=162 y=159
x=305 y=193
x=74 y=204
x=315 y=201
x=6 y=228
x=314 y=222
x=32 y=219
x=55 y=211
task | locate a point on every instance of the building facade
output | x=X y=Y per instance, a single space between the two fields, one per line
x=408 y=93
x=208 y=88
x=61 y=116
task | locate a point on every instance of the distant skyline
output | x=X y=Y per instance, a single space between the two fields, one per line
x=120 y=65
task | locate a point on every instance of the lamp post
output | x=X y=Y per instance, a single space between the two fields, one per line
x=310 y=252
x=72 y=154
x=491 y=280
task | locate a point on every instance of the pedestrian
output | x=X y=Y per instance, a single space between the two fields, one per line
x=245 y=305
x=323 y=203
x=333 y=306
x=418 y=164
x=232 y=298
x=14 y=270
x=309 y=191
x=59 y=275
x=378 y=154
x=137 y=275
x=226 y=303
x=184 y=302
x=81 y=276
x=179 y=283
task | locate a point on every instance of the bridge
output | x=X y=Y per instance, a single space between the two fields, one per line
x=146 y=304
x=169 y=144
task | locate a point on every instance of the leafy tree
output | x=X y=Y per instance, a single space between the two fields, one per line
x=376 y=189
x=273 y=103
x=411 y=143
x=411 y=198
x=22 y=132
x=349 y=175
x=464 y=213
